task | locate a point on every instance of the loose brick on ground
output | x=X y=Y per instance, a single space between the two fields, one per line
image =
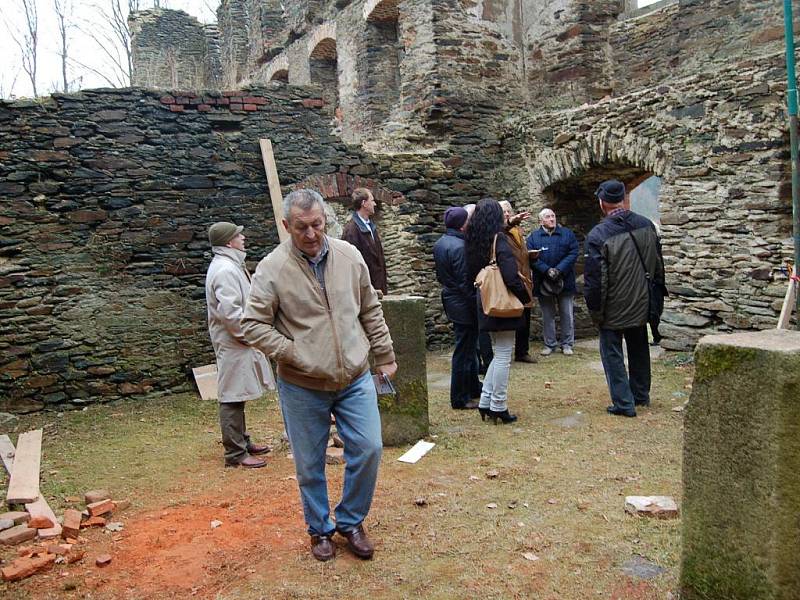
x=40 y=522
x=27 y=566
x=103 y=560
x=93 y=522
x=17 y=535
x=72 y=523
x=100 y=508
x=93 y=496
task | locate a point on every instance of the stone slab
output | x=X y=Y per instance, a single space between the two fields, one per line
x=18 y=516
x=404 y=416
x=741 y=493
x=663 y=507
x=641 y=568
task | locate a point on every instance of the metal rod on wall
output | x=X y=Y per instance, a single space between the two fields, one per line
x=791 y=102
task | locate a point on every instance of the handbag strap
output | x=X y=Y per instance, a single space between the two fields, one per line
x=493 y=258
x=639 y=254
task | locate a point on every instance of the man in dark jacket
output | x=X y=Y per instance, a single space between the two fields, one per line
x=458 y=298
x=622 y=253
x=363 y=234
x=554 y=280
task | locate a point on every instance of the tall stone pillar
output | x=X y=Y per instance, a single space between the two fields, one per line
x=404 y=417
x=741 y=469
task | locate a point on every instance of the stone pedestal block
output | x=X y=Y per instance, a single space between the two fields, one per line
x=404 y=417
x=741 y=469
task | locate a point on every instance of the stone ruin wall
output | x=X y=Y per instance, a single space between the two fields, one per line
x=107 y=197
x=171 y=49
x=719 y=144
x=717 y=138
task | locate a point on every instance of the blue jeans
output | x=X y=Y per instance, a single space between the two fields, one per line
x=464 y=382
x=631 y=388
x=565 y=310
x=495 y=385
x=307 y=417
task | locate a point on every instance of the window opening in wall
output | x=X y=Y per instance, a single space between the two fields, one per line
x=379 y=69
x=322 y=65
x=645 y=199
x=643 y=3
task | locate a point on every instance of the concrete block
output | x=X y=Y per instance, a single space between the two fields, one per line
x=404 y=417
x=741 y=491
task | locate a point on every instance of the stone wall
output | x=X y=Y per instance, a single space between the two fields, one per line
x=170 y=49
x=719 y=143
x=251 y=32
x=106 y=199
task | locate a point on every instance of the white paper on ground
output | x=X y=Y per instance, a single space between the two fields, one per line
x=419 y=450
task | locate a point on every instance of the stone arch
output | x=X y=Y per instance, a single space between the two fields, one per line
x=381 y=10
x=566 y=177
x=379 y=69
x=322 y=62
x=278 y=69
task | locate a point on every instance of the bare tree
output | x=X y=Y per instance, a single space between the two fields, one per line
x=111 y=33
x=28 y=40
x=63 y=10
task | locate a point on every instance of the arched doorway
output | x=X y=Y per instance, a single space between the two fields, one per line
x=575 y=204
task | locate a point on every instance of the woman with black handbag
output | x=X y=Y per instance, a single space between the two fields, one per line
x=491 y=260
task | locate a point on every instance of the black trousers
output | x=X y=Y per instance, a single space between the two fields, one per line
x=522 y=337
x=464 y=382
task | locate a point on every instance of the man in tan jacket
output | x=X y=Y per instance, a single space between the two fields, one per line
x=243 y=372
x=313 y=310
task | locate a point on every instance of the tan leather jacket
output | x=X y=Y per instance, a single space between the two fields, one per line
x=320 y=339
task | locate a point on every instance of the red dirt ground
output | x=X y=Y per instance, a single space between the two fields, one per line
x=174 y=552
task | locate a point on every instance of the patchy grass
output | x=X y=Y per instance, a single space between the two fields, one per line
x=559 y=495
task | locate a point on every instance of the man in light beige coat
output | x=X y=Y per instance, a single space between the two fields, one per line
x=313 y=310
x=243 y=372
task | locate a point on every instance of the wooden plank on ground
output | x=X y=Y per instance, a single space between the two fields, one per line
x=789 y=301
x=275 y=194
x=6 y=452
x=23 y=486
x=40 y=508
x=206 y=380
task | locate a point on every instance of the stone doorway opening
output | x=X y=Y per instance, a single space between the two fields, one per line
x=576 y=208
x=379 y=69
x=323 y=70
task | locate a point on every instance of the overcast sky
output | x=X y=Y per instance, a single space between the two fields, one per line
x=86 y=17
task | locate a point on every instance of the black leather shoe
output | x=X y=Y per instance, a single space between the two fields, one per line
x=646 y=403
x=618 y=412
x=322 y=547
x=358 y=542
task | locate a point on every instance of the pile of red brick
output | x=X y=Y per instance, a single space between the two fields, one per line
x=48 y=551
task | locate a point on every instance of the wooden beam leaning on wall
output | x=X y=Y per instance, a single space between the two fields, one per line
x=268 y=157
x=23 y=485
